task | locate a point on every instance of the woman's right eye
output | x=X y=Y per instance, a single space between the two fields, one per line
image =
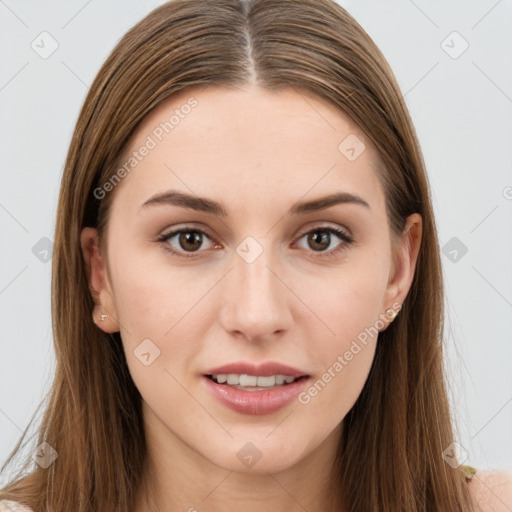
x=187 y=238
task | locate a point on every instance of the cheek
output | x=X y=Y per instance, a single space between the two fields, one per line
x=150 y=296
x=332 y=394
x=161 y=312
x=350 y=309
x=158 y=340
x=349 y=301
x=345 y=357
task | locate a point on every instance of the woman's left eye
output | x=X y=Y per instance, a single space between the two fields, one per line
x=328 y=231
x=190 y=240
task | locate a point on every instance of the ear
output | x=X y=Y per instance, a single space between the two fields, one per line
x=99 y=283
x=405 y=255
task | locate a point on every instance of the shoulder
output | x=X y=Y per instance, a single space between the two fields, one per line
x=13 y=506
x=491 y=490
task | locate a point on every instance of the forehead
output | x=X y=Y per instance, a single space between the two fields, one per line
x=246 y=146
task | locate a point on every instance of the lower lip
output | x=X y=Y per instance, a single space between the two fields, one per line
x=256 y=402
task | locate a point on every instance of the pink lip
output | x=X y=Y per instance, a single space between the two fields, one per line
x=255 y=402
x=263 y=370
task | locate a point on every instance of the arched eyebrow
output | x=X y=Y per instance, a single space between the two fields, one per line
x=203 y=204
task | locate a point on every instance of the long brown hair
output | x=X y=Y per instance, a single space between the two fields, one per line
x=390 y=452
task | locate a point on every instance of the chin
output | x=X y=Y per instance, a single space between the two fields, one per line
x=260 y=454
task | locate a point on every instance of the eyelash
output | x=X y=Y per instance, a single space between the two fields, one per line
x=316 y=254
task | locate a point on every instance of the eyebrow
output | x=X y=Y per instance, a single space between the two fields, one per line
x=203 y=204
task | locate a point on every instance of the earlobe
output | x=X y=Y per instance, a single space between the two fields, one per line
x=104 y=314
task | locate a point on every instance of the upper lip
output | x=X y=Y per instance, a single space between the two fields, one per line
x=263 y=370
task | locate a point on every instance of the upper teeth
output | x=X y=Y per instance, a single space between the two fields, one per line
x=252 y=380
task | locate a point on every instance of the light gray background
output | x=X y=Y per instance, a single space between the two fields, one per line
x=462 y=110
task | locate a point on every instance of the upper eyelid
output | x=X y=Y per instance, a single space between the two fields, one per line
x=325 y=226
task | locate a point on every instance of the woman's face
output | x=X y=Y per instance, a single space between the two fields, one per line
x=257 y=278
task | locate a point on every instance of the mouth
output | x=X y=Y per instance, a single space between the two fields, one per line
x=249 y=388
x=255 y=394
x=247 y=382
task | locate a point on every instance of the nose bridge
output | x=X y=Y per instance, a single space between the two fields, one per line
x=256 y=303
x=255 y=283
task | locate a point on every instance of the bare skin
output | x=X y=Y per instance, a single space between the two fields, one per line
x=258 y=153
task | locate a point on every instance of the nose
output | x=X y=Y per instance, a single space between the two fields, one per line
x=256 y=301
